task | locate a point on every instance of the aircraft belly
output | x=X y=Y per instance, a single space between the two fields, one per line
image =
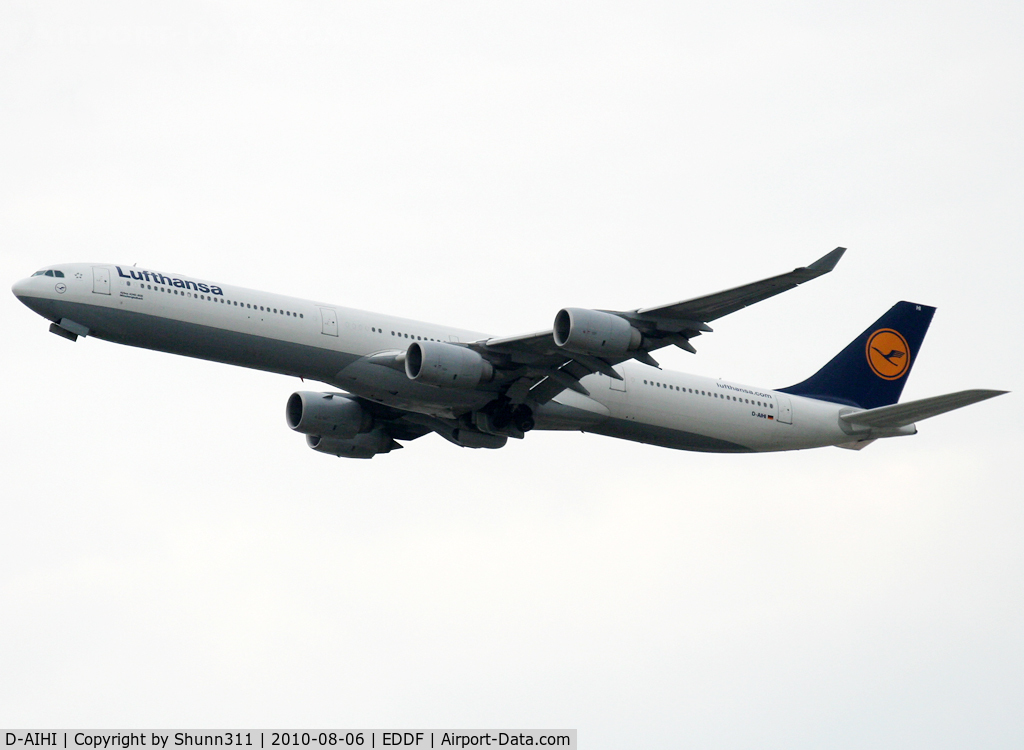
x=671 y=420
x=197 y=340
x=666 y=437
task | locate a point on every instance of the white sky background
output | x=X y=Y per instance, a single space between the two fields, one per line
x=172 y=555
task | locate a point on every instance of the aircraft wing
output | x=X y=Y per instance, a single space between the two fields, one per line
x=534 y=367
x=714 y=306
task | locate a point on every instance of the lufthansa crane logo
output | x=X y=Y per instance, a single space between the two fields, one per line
x=888 y=354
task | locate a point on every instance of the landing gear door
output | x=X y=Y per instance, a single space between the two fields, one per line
x=785 y=408
x=100 y=280
x=618 y=385
x=330 y=321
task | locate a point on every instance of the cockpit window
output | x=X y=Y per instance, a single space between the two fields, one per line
x=50 y=272
x=59 y=274
x=39 y=273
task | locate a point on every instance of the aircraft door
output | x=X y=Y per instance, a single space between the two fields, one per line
x=100 y=280
x=618 y=385
x=785 y=408
x=330 y=321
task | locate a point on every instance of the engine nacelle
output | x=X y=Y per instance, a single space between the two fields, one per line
x=366 y=445
x=446 y=365
x=329 y=415
x=593 y=332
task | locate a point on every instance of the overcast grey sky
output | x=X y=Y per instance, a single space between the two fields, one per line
x=172 y=555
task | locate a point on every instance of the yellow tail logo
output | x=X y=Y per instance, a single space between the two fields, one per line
x=888 y=354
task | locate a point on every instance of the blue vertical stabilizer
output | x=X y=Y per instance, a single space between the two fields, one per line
x=873 y=369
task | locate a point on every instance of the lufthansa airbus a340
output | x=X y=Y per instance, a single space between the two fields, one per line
x=593 y=371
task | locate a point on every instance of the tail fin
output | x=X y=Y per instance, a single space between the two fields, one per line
x=873 y=369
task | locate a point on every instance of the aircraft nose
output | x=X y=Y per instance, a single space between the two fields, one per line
x=21 y=288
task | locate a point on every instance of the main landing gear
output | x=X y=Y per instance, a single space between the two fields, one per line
x=502 y=418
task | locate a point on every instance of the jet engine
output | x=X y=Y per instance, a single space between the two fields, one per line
x=328 y=415
x=594 y=332
x=366 y=445
x=446 y=365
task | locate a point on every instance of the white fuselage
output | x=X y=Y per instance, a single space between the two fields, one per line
x=337 y=345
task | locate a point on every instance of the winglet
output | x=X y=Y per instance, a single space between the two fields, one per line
x=827 y=262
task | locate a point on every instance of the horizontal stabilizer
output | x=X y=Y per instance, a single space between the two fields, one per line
x=900 y=415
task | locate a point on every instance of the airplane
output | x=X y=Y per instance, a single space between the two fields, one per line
x=398 y=379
